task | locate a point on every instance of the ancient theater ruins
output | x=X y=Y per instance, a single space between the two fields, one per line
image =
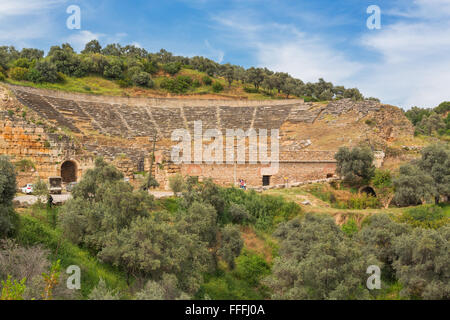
x=62 y=133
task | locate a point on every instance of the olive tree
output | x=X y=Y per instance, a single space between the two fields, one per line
x=355 y=165
x=8 y=218
x=317 y=261
x=423 y=263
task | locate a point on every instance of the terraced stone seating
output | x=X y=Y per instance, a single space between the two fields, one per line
x=41 y=106
x=207 y=115
x=137 y=120
x=304 y=113
x=236 y=117
x=269 y=117
x=106 y=120
x=168 y=119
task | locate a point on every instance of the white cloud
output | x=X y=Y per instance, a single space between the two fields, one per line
x=409 y=66
x=307 y=58
x=79 y=39
x=414 y=63
x=26 y=7
x=213 y=53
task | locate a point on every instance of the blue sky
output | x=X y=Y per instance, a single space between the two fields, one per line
x=405 y=63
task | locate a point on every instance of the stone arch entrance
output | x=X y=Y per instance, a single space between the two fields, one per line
x=69 y=171
x=368 y=190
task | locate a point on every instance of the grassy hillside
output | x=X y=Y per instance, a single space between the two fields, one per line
x=198 y=89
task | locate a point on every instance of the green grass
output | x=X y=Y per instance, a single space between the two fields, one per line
x=92 y=85
x=101 y=86
x=225 y=285
x=36 y=231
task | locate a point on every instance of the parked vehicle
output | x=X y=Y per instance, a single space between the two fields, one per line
x=70 y=186
x=55 y=185
x=28 y=189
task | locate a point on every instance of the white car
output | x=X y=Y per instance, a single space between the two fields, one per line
x=28 y=189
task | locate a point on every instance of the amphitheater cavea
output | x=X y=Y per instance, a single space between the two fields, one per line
x=62 y=133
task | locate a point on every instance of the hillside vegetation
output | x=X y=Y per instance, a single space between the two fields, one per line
x=132 y=71
x=211 y=242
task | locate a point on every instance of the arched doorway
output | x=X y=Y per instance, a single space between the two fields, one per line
x=69 y=172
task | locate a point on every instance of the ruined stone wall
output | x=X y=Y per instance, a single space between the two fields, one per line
x=225 y=174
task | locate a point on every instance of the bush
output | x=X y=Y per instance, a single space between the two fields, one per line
x=426 y=216
x=142 y=79
x=251 y=268
x=196 y=83
x=217 y=87
x=355 y=165
x=18 y=73
x=2 y=77
x=180 y=84
x=48 y=71
x=266 y=211
x=350 y=228
x=22 y=63
x=172 y=68
x=124 y=83
x=238 y=213
x=318 y=262
x=24 y=165
x=423 y=263
x=207 y=81
x=361 y=201
x=382 y=178
x=8 y=218
x=33 y=231
x=34 y=76
x=176 y=183
x=251 y=90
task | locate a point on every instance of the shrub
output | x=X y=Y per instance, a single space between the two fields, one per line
x=2 y=77
x=317 y=262
x=361 y=201
x=172 y=68
x=251 y=90
x=426 y=216
x=176 y=183
x=413 y=186
x=124 y=83
x=22 y=63
x=265 y=210
x=231 y=245
x=207 y=81
x=196 y=83
x=238 y=213
x=34 y=76
x=102 y=292
x=18 y=73
x=251 y=268
x=142 y=79
x=382 y=178
x=25 y=165
x=48 y=71
x=422 y=266
x=217 y=87
x=355 y=165
x=8 y=218
x=350 y=228
x=180 y=84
